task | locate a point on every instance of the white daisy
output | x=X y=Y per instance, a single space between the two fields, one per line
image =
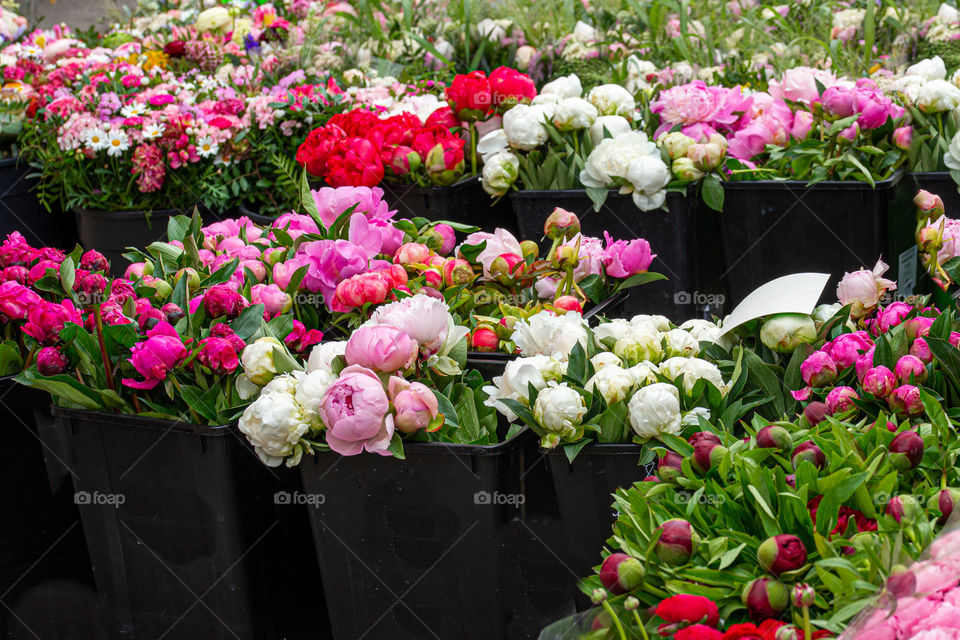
x=32 y=51
x=95 y=139
x=117 y=143
x=153 y=131
x=206 y=147
x=133 y=110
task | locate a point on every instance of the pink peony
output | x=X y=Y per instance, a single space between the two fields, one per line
x=841 y=399
x=295 y=225
x=329 y=262
x=381 y=348
x=846 y=349
x=498 y=243
x=332 y=202
x=863 y=289
x=892 y=315
x=283 y=271
x=45 y=320
x=355 y=411
x=299 y=340
x=274 y=299
x=16 y=300
x=415 y=404
x=623 y=259
x=156 y=356
x=218 y=355
x=701 y=109
x=422 y=317
x=376 y=236
x=800 y=84
x=221 y=301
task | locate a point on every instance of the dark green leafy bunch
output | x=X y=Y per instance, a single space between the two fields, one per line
x=836 y=506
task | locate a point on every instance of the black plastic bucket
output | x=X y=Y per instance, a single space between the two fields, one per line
x=20 y=210
x=773 y=228
x=672 y=236
x=940 y=183
x=465 y=202
x=250 y=211
x=180 y=524
x=584 y=491
x=418 y=548
x=40 y=536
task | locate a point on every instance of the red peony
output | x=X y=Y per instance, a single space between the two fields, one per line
x=443 y=117
x=698 y=632
x=445 y=162
x=687 y=608
x=396 y=130
x=354 y=162
x=470 y=97
x=427 y=138
x=509 y=87
x=356 y=123
x=315 y=150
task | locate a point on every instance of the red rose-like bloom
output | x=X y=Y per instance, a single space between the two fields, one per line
x=354 y=162
x=445 y=162
x=315 y=150
x=746 y=631
x=398 y=129
x=509 y=87
x=470 y=97
x=218 y=355
x=356 y=123
x=698 y=632
x=687 y=608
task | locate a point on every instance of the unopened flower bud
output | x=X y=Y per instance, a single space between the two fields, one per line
x=816 y=412
x=906 y=451
x=803 y=595
x=621 y=573
x=902 y=583
x=678 y=542
x=811 y=453
x=484 y=338
x=766 y=598
x=904 y=509
x=684 y=169
x=775 y=437
x=668 y=468
x=568 y=303
x=929 y=205
x=530 y=249
x=944 y=502
x=564 y=256
x=781 y=553
x=561 y=224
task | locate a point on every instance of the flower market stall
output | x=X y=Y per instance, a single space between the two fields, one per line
x=594 y=320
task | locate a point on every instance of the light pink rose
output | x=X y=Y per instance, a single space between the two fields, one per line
x=355 y=411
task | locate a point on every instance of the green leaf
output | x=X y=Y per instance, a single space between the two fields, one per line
x=447 y=409
x=396 y=446
x=712 y=192
x=307 y=202
x=248 y=322
x=639 y=279
x=203 y=403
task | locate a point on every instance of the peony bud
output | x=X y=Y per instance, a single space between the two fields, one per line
x=819 y=369
x=921 y=349
x=457 y=271
x=905 y=401
x=94 y=261
x=193 y=278
x=484 y=338
x=684 y=169
x=902 y=137
x=706 y=157
x=51 y=361
x=929 y=205
x=669 y=467
x=841 y=399
x=530 y=250
x=785 y=332
x=879 y=381
x=703 y=436
x=564 y=256
x=621 y=573
x=944 y=502
x=930 y=239
x=412 y=253
x=631 y=604
x=561 y=224
x=781 y=553
x=598 y=596
x=811 y=453
x=775 y=437
x=568 y=303
x=433 y=277
x=172 y=312
x=766 y=598
x=707 y=454
x=910 y=369
x=815 y=412
x=902 y=583
x=904 y=509
x=906 y=451
x=803 y=595
x=507 y=267
x=676 y=144
x=678 y=542
x=918 y=327
x=788 y=633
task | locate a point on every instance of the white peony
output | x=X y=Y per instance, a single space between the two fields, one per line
x=547 y=100
x=493 y=30
x=929 y=69
x=500 y=171
x=702 y=330
x=692 y=418
x=572 y=114
x=655 y=409
x=605 y=359
x=310 y=391
x=614 y=329
x=274 y=423
x=938 y=95
x=524 y=57
x=639 y=345
x=213 y=19
x=649 y=176
x=492 y=143
x=523 y=125
x=692 y=370
x=559 y=409
x=423 y=318
x=612 y=100
x=681 y=343
x=551 y=335
x=612 y=125
x=652 y=322
x=947 y=14
x=613 y=157
x=951 y=157
x=582 y=32
x=322 y=356
x=613 y=382
x=257 y=360
x=644 y=373
x=517 y=377
x=564 y=87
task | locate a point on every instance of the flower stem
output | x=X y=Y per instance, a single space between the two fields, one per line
x=473 y=148
x=806 y=623
x=643 y=629
x=616 y=620
x=107 y=368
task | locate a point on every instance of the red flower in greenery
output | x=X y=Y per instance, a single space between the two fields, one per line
x=315 y=150
x=698 y=632
x=687 y=608
x=354 y=162
x=470 y=97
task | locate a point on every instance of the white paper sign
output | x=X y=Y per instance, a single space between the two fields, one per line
x=796 y=293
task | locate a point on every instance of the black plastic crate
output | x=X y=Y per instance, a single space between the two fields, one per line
x=179 y=521
x=772 y=228
x=584 y=493
x=465 y=202
x=417 y=548
x=672 y=235
x=20 y=210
